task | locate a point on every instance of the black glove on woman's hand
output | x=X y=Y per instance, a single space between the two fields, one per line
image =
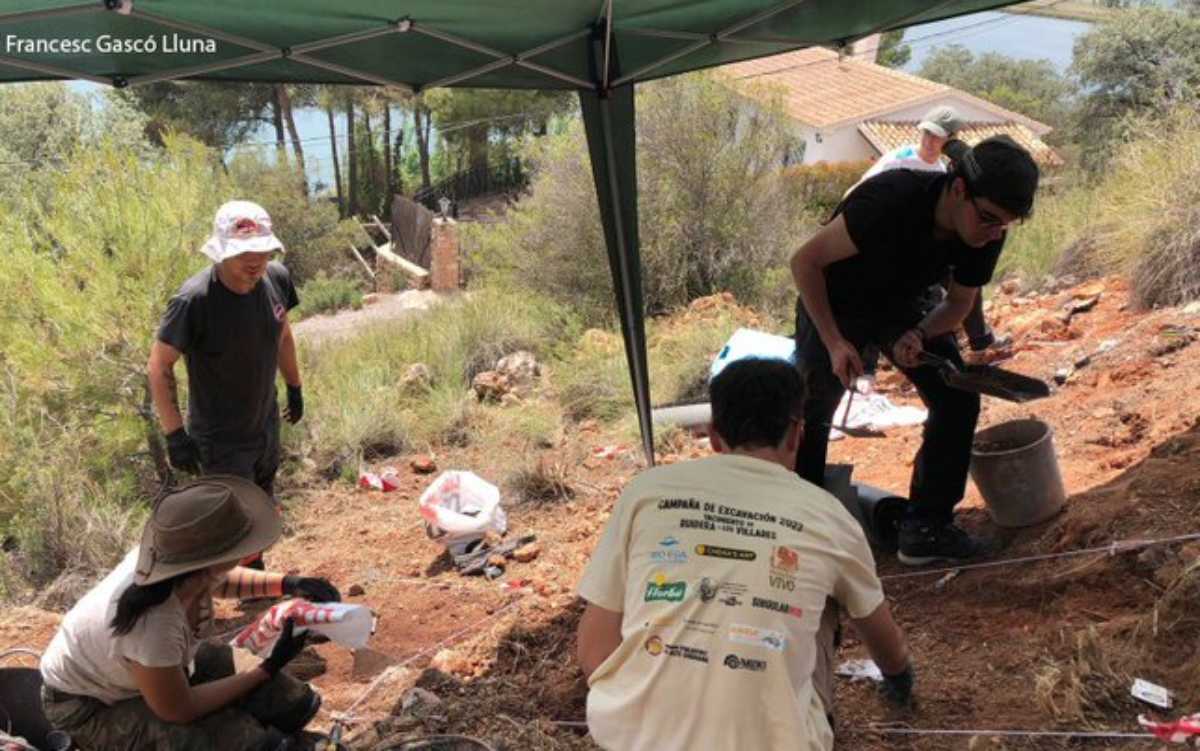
x=295 y=405
x=183 y=451
x=897 y=689
x=287 y=646
x=311 y=588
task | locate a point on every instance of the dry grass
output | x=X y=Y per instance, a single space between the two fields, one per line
x=546 y=480
x=1152 y=200
x=1092 y=687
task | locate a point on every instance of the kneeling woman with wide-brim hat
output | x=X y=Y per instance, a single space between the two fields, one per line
x=129 y=668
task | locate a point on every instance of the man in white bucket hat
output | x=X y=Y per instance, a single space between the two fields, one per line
x=229 y=322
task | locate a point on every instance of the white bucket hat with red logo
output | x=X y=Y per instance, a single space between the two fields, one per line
x=240 y=227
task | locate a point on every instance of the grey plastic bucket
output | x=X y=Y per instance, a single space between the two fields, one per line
x=1015 y=468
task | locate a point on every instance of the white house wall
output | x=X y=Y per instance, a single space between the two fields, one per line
x=844 y=144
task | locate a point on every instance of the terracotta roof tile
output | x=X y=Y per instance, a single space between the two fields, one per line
x=824 y=91
x=887 y=135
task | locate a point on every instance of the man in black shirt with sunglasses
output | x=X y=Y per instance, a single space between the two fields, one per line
x=862 y=279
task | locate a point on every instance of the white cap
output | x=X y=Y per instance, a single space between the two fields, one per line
x=240 y=227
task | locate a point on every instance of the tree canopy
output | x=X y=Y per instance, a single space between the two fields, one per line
x=1032 y=87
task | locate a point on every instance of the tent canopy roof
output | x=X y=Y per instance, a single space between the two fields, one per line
x=596 y=47
x=417 y=44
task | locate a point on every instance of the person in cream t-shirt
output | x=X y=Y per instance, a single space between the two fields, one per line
x=707 y=592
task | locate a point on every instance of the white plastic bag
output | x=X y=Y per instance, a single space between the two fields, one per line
x=460 y=507
x=347 y=624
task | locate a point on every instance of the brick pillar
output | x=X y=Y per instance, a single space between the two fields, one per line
x=385 y=280
x=444 y=260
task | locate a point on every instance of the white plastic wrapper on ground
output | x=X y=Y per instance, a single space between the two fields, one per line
x=460 y=507
x=874 y=411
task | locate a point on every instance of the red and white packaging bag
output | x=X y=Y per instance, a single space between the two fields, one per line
x=387 y=480
x=1184 y=730
x=348 y=625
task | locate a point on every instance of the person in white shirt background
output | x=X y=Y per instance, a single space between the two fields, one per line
x=939 y=126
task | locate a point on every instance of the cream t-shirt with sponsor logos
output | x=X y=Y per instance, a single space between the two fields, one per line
x=721 y=567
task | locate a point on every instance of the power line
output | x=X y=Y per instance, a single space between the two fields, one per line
x=915 y=42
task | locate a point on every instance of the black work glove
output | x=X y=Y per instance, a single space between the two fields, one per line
x=311 y=588
x=287 y=646
x=183 y=451
x=897 y=689
x=295 y=405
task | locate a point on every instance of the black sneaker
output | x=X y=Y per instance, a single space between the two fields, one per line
x=922 y=543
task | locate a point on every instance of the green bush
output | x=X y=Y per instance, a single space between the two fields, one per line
x=88 y=269
x=325 y=294
x=715 y=212
x=358 y=406
x=819 y=187
x=1151 y=200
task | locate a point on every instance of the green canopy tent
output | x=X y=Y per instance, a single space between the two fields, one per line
x=599 y=48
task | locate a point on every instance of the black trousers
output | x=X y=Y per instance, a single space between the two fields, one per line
x=939 y=478
x=256 y=460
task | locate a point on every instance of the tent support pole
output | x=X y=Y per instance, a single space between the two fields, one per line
x=608 y=119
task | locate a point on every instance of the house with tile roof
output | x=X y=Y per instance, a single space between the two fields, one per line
x=848 y=109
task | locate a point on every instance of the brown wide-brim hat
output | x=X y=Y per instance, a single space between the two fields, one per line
x=212 y=520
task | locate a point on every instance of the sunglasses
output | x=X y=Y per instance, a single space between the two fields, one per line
x=988 y=220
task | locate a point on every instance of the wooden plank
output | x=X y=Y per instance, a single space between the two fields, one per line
x=382 y=228
x=408 y=267
x=363 y=261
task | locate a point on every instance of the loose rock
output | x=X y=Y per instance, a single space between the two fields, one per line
x=521 y=368
x=527 y=553
x=491 y=386
x=423 y=464
x=417 y=379
x=356 y=590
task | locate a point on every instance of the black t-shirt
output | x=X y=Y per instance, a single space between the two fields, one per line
x=230 y=343
x=890 y=218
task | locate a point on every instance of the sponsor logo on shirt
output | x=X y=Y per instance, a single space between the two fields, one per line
x=279 y=311
x=688 y=624
x=655 y=646
x=710 y=589
x=757 y=637
x=776 y=605
x=733 y=554
x=734 y=662
x=785 y=563
x=660 y=590
x=669 y=552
